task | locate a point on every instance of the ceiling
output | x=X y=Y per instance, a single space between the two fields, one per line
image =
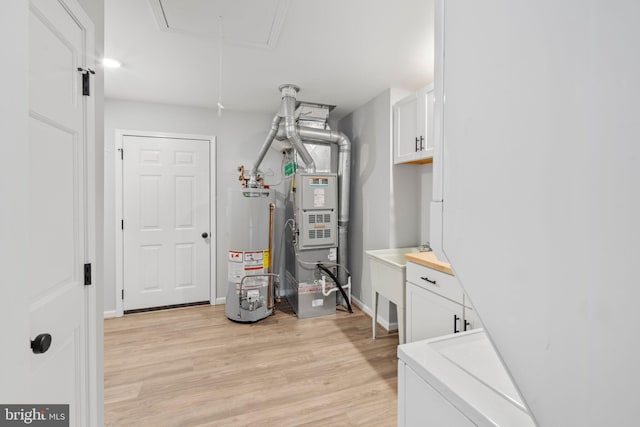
x=340 y=52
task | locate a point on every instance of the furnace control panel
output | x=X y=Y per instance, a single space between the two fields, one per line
x=316 y=210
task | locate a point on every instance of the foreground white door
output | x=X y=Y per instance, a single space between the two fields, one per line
x=59 y=236
x=167 y=233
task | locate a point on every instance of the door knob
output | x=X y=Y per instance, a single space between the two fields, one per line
x=205 y=235
x=41 y=344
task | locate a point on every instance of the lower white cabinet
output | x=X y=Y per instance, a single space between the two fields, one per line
x=430 y=315
x=435 y=305
x=420 y=405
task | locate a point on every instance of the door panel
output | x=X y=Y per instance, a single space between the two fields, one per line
x=185 y=202
x=58 y=234
x=166 y=210
x=150 y=267
x=54 y=206
x=55 y=52
x=185 y=265
x=150 y=202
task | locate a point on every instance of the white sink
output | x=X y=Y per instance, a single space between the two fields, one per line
x=392 y=257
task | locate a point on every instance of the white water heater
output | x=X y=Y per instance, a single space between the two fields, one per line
x=250 y=295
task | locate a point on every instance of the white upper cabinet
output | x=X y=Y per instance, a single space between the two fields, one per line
x=413 y=128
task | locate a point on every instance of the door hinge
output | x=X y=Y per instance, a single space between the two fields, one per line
x=87 y=274
x=123 y=294
x=86 y=80
x=122 y=224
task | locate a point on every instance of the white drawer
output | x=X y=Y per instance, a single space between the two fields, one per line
x=435 y=281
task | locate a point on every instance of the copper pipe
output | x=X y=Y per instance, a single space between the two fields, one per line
x=270 y=304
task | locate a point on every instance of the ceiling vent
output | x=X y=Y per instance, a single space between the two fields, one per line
x=247 y=22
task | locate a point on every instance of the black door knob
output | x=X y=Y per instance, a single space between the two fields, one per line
x=205 y=235
x=41 y=344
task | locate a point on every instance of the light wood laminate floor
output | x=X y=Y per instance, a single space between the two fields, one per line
x=194 y=367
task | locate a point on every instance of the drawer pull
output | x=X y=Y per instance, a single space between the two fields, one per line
x=430 y=281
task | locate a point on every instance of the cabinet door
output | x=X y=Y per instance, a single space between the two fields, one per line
x=419 y=404
x=405 y=124
x=424 y=123
x=428 y=147
x=429 y=315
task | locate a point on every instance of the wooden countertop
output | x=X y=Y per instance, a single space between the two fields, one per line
x=428 y=259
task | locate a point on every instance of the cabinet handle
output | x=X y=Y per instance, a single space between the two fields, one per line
x=422 y=143
x=455 y=323
x=430 y=281
x=416 y=144
x=466 y=325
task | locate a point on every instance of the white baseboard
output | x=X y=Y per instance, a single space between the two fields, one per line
x=110 y=313
x=219 y=301
x=393 y=326
x=355 y=301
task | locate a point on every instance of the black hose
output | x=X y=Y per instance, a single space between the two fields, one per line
x=335 y=279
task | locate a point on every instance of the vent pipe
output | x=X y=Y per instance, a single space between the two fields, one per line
x=289 y=93
x=253 y=174
x=287 y=111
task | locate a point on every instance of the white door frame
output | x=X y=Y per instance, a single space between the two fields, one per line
x=93 y=313
x=119 y=212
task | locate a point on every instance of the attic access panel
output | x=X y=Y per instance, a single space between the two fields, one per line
x=245 y=22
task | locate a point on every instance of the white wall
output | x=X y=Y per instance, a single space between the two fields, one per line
x=239 y=137
x=387 y=208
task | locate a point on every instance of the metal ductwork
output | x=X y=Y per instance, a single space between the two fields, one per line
x=286 y=111
x=275 y=125
x=289 y=109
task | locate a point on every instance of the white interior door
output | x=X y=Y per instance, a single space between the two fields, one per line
x=167 y=232
x=59 y=236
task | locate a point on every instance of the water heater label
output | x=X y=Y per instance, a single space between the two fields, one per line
x=235 y=256
x=241 y=264
x=254 y=261
x=235 y=266
x=318 y=197
x=317 y=303
x=267 y=258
